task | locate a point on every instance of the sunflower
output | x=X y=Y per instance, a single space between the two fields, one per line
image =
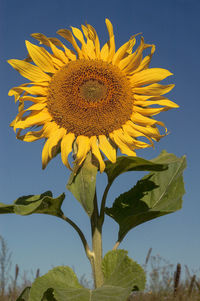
x=89 y=99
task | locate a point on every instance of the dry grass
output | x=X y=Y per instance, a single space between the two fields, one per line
x=167 y=282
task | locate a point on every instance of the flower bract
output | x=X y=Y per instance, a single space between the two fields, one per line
x=89 y=99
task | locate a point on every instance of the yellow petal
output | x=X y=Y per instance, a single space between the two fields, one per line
x=66 y=34
x=40 y=57
x=154 y=89
x=138 y=97
x=94 y=37
x=120 y=53
x=124 y=148
x=66 y=148
x=49 y=129
x=41 y=38
x=111 y=41
x=131 y=142
x=34 y=118
x=45 y=154
x=142 y=120
x=48 y=41
x=37 y=107
x=17 y=91
x=59 y=54
x=31 y=136
x=37 y=99
x=149 y=131
x=29 y=71
x=105 y=52
x=68 y=52
x=132 y=42
x=124 y=50
x=149 y=111
x=132 y=61
x=90 y=50
x=146 y=60
x=149 y=76
x=83 y=144
x=162 y=101
x=128 y=128
x=78 y=34
x=35 y=90
x=107 y=148
x=96 y=152
x=52 y=146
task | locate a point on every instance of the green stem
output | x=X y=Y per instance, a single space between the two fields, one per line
x=96 y=261
x=88 y=252
x=116 y=245
x=103 y=203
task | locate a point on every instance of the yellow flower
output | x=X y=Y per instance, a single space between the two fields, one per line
x=90 y=98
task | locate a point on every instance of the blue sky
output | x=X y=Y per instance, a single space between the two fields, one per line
x=44 y=241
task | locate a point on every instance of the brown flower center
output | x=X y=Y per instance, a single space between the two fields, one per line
x=90 y=97
x=92 y=90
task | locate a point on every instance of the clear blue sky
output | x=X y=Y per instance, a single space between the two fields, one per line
x=44 y=241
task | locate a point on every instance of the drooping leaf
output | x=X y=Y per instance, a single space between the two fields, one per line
x=123 y=164
x=82 y=185
x=156 y=194
x=121 y=271
x=42 y=203
x=24 y=296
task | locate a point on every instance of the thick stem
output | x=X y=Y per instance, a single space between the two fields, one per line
x=96 y=261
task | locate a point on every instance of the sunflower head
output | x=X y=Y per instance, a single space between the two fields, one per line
x=89 y=99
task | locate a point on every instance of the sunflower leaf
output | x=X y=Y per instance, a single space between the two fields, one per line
x=156 y=194
x=82 y=185
x=42 y=203
x=123 y=164
x=61 y=283
x=120 y=270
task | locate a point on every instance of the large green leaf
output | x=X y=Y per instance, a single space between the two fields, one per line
x=124 y=164
x=61 y=284
x=83 y=184
x=64 y=284
x=156 y=194
x=121 y=271
x=42 y=203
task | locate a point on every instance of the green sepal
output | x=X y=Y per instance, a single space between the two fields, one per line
x=42 y=203
x=124 y=164
x=83 y=184
x=156 y=194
